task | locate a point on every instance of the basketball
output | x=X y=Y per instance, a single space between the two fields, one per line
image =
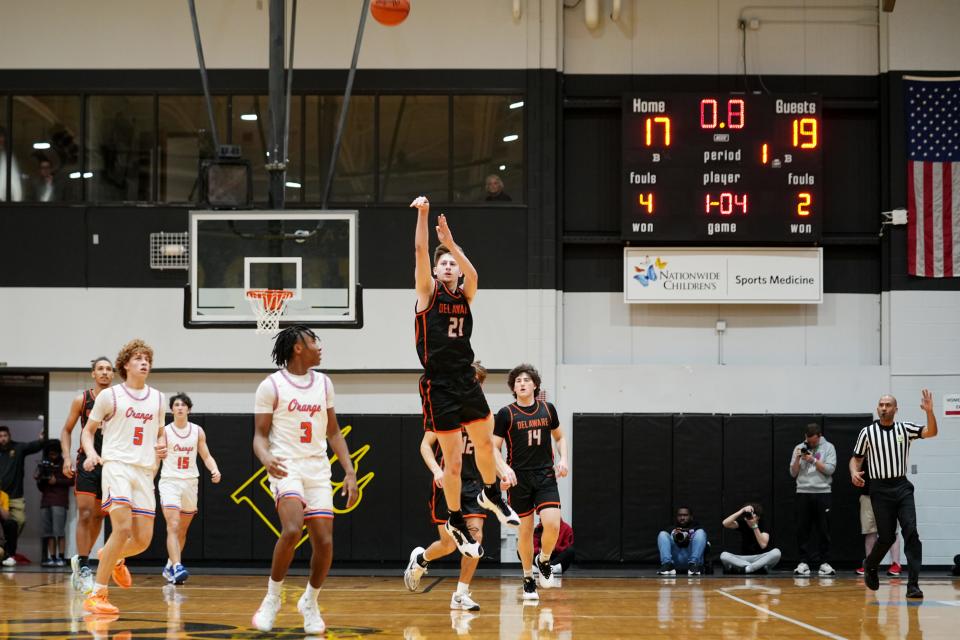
x=390 y=12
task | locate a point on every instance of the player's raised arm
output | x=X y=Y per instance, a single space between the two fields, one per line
x=423 y=270
x=470 y=277
x=66 y=434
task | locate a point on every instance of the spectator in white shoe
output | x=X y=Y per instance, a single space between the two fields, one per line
x=756 y=554
x=812 y=464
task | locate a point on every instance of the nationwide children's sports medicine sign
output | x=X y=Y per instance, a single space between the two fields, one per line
x=723 y=275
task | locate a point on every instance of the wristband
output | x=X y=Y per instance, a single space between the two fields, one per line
x=754 y=526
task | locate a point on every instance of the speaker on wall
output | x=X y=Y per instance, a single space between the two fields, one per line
x=227 y=184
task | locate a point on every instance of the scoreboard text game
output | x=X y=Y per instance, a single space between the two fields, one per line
x=722 y=168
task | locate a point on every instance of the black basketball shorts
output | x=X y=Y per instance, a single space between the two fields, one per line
x=88 y=482
x=469 y=490
x=452 y=403
x=535 y=490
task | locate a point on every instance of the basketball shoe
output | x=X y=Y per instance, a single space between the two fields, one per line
x=312 y=620
x=546 y=579
x=463 y=602
x=180 y=574
x=895 y=570
x=98 y=604
x=530 y=590
x=493 y=501
x=414 y=571
x=464 y=541
x=266 y=615
x=120 y=574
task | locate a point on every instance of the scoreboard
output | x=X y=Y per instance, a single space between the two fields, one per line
x=722 y=168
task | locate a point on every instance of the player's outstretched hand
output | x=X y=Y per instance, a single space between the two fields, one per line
x=421 y=204
x=926 y=400
x=350 y=489
x=444 y=234
x=276 y=468
x=91 y=462
x=857 y=479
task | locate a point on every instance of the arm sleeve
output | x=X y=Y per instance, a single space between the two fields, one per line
x=554 y=418
x=501 y=424
x=266 y=397
x=103 y=405
x=914 y=431
x=331 y=394
x=862 y=445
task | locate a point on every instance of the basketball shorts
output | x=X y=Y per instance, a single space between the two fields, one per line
x=452 y=403
x=88 y=482
x=535 y=490
x=130 y=486
x=469 y=490
x=179 y=494
x=308 y=480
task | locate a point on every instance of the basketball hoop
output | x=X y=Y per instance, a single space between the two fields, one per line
x=268 y=306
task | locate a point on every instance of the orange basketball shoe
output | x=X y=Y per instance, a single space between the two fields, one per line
x=97 y=604
x=121 y=575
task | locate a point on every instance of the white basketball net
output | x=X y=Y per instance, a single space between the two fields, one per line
x=268 y=306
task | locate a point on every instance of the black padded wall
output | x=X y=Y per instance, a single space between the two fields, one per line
x=597 y=487
x=712 y=464
x=647 y=459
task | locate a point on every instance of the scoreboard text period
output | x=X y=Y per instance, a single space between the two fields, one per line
x=722 y=168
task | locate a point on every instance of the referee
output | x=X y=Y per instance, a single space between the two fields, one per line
x=886 y=445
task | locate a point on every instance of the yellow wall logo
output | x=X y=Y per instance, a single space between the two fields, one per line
x=247 y=493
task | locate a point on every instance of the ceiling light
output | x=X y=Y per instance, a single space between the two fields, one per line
x=516 y=105
x=41 y=145
x=511 y=137
x=293 y=185
x=250 y=117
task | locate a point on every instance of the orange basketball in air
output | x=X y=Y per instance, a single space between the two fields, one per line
x=390 y=12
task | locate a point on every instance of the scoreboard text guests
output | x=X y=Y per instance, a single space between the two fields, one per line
x=722 y=168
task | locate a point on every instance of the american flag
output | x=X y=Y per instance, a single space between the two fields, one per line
x=933 y=176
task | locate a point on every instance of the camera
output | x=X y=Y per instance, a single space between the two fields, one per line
x=681 y=537
x=804 y=451
x=748 y=513
x=45 y=469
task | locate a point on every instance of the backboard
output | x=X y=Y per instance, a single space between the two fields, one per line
x=312 y=253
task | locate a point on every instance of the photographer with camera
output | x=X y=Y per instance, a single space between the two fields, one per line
x=756 y=556
x=54 y=489
x=683 y=544
x=812 y=465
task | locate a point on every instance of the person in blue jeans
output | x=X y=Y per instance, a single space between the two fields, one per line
x=682 y=544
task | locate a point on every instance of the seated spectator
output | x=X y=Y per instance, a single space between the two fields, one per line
x=8 y=533
x=495 y=192
x=562 y=555
x=683 y=544
x=54 y=500
x=756 y=554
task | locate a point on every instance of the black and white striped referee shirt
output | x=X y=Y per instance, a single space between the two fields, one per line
x=886 y=448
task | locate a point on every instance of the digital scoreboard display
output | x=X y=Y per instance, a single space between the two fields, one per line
x=722 y=168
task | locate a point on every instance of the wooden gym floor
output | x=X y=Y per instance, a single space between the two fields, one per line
x=41 y=605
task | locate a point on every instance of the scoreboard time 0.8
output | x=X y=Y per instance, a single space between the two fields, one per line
x=722 y=168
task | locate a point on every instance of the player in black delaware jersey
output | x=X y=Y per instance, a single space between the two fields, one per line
x=473 y=513
x=87 y=488
x=530 y=427
x=451 y=396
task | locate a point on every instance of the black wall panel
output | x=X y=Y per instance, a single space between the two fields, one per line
x=43 y=246
x=124 y=239
x=597 y=490
x=647 y=462
x=698 y=469
x=748 y=468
